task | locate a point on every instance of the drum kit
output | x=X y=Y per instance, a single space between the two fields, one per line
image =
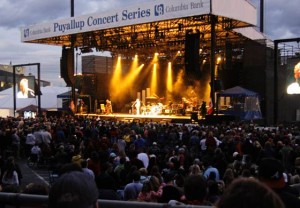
x=155 y=107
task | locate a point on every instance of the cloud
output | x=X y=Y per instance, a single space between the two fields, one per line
x=282 y=18
x=27 y=12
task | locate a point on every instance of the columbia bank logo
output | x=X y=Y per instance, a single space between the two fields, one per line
x=26 y=33
x=158 y=9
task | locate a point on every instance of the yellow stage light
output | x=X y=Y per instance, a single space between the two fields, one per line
x=169 y=81
x=153 y=86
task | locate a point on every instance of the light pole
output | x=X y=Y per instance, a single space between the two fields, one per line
x=261 y=25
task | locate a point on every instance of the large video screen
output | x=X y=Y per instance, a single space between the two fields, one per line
x=293 y=77
x=26 y=87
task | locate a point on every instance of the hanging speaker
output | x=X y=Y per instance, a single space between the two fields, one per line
x=67 y=66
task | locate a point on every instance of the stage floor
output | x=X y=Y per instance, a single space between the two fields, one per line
x=145 y=118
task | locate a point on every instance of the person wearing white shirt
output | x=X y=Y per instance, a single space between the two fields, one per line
x=30 y=142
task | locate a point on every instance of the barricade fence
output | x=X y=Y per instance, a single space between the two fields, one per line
x=37 y=201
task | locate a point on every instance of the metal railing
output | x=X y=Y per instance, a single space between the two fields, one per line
x=34 y=201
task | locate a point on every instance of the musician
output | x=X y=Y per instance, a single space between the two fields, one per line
x=25 y=91
x=203 y=109
x=184 y=104
x=72 y=107
x=80 y=105
x=294 y=88
x=108 y=107
x=137 y=105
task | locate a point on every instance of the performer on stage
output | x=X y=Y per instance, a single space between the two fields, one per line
x=80 y=105
x=137 y=105
x=72 y=107
x=108 y=107
x=203 y=109
x=184 y=104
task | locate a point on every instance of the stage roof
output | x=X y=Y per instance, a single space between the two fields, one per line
x=156 y=25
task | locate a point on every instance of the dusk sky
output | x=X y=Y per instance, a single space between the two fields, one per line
x=281 y=21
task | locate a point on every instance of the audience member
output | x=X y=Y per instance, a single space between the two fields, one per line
x=86 y=170
x=10 y=177
x=249 y=193
x=270 y=172
x=195 y=190
x=73 y=190
x=132 y=190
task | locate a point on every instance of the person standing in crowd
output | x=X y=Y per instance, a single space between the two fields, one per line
x=11 y=162
x=210 y=172
x=132 y=190
x=271 y=173
x=86 y=170
x=30 y=142
x=35 y=154
x=10 y=176
x=15 y=142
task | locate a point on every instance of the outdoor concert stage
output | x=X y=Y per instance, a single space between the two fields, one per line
x=146 y=118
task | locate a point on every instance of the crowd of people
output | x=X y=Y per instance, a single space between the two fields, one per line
x=236 y=164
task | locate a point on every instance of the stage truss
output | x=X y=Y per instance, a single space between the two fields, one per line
x=165 y=37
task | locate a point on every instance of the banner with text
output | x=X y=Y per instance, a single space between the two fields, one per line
x=139 y=14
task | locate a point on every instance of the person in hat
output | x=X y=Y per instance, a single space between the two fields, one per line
x=77 y=159
x=271 y=173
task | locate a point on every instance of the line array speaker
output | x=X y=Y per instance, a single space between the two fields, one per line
x=67 y=65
